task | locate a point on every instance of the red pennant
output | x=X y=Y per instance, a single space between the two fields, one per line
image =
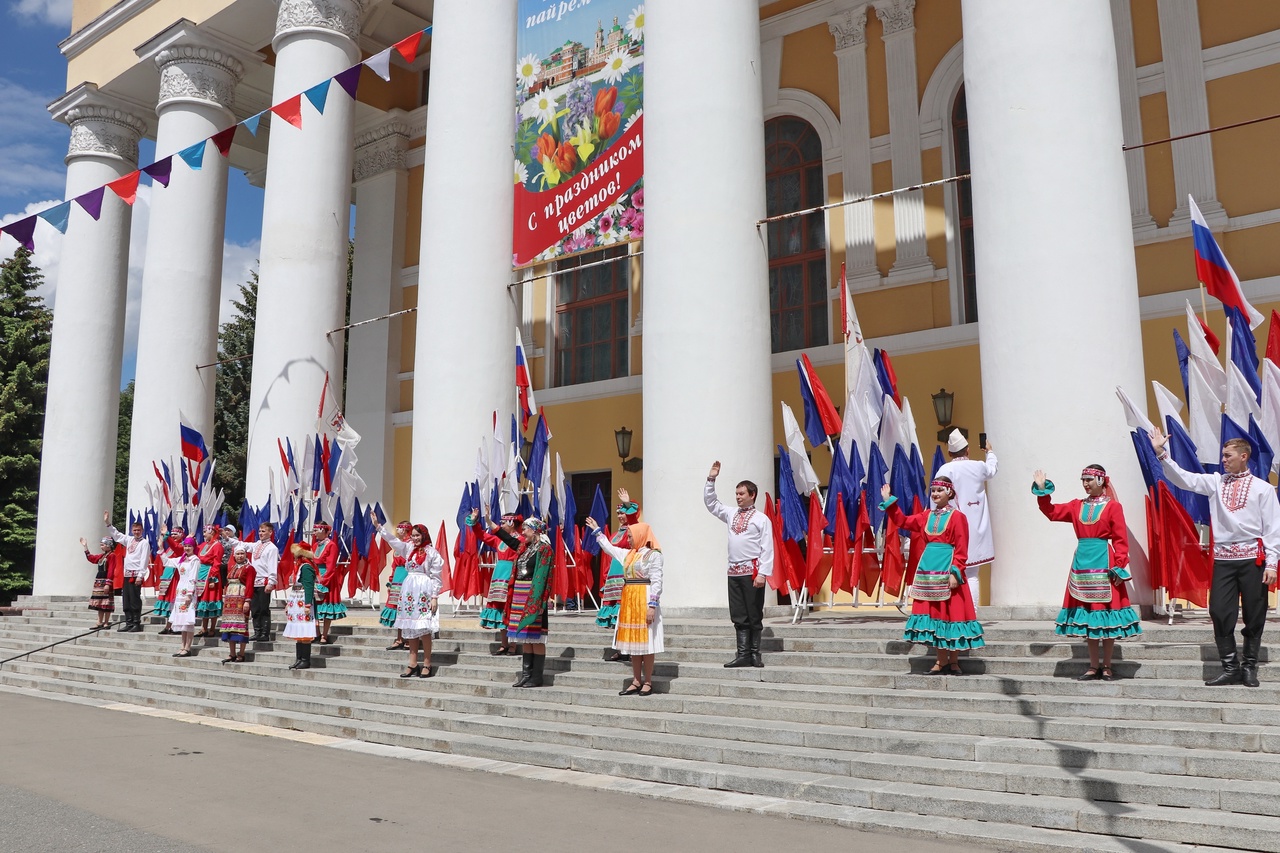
x=869 y=577
x=126 y=187
x=894 y=565
x=1154 y=558
x=780 y=580
x=817 y=563
x=223 y=138
x=840 y=550
x=1212 y=339
x=408 y=46
x=290 y=110
x=442 y=546
x=1273 y=339
x=1188 y=570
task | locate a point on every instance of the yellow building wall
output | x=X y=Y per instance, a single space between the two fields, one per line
x=413 y=218
x=817 y=72
x=937 y=31
x=1247 y=183
x=1225 y=21
x=1146 y=32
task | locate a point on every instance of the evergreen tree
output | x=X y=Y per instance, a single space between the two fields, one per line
x=231 y=413
x=124 y=430
x=25 y=325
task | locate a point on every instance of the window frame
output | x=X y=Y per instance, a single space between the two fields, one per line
x=621 y=338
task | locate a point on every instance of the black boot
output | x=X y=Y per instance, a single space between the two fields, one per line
x=1249 y=662
x=526 y=670
x=1231 y=673
x=304 y=657
x=743 y=657
x=126 y=626
x=756 y=660
x=535 y=673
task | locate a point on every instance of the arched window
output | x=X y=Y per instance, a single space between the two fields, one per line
x=964 y=210
x=798 y=301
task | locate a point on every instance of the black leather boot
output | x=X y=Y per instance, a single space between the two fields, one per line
x=526 y=670
x=1249 y=662
x=304 y=657
x=743 y=657
x=535 y=673
x=1231 y=673
x=756 y=660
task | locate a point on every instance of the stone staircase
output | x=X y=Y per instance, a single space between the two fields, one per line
x=840 y=726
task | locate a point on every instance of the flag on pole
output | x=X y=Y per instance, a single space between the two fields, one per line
x=329 y=418
x=193 y=446
x=524 y=387
x=1214 y=270
x=820 y=416
x=802 y=471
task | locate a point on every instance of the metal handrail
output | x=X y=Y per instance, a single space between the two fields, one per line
x=67 y=640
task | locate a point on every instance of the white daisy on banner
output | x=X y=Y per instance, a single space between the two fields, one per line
x=527 y=70
x=618 y=63
x=522 y=174
x=635 y=117
x=635 y=23
x=542 y=107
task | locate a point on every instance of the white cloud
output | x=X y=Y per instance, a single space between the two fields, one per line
x=237 y=260
x=56 y=12
x=33 y=144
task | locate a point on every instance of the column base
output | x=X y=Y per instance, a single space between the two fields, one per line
x=912 y=271
x=865 y=278
x=1214 y=214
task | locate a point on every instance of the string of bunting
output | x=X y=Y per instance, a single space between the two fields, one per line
x=290 y=110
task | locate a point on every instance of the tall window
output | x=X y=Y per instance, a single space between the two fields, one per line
x=798 y=300
x=592 y=317
x=964 y=209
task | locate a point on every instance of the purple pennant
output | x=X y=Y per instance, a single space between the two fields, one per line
x=92 y=202
x=159 y=172
x=349 y=80
x=23 y=231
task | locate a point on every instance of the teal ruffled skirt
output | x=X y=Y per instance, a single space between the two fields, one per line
x=607 y=615
x=952 y=636
x=209 y=610
x=1097 y=624
x=163 y=609
x=493 y=617
x=331 y=611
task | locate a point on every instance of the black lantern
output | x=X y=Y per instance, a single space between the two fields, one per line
x=943 y=406
x=622 y=437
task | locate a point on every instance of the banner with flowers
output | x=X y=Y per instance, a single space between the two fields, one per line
x=579 y=162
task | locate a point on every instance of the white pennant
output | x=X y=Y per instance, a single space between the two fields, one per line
x=380 y=64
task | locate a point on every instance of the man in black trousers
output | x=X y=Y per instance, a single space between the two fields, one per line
x=750 y=562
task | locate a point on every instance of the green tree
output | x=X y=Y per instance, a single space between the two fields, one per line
x=25 y=325
x=124 y=429
x=231 y=414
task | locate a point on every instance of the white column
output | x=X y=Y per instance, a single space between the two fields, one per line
x=912 y=263
x=78 y=457
x=306 y=218
x=1048 y=181
x=706 y=301
x=373 y=353
x=1188 y=105
x=1131 y=117
x=464 y=364
x=850 y=30
x=182 y=275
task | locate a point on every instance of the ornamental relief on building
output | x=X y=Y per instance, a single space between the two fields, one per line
x=96 y=130
x=897 y=16
x=382 y=155
x=850 y=29
x=341 y=16
x=180 y=80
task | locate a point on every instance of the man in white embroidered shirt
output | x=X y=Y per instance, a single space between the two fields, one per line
x=137 y=566
x=750 y=562
x=1245 y=518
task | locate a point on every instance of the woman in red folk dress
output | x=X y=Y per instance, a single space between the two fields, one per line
x=942 y=614
x=209 y=581
x=102 y=601
x=1096 y=603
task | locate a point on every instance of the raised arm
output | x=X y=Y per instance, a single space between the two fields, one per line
x=398 y=545
x=609 y=548
x=992 y=464
x=903 y=522
x=1201 y=484
x=712 y=501
x=1042 y=487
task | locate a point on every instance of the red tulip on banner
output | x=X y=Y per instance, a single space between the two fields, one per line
x=408 y=46
x=290 y=110
x=126 y=187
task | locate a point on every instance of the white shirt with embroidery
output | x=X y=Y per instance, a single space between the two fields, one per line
x=750 y=532
x=1242 y=510
x=137 y=554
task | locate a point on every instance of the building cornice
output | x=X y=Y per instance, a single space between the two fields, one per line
x=106 y=23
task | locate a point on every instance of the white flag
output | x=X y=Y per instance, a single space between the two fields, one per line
x=801 y=469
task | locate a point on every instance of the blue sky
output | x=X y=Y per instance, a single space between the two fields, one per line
x=32 y=147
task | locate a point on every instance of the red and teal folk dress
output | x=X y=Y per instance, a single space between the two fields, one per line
x=1096 y=603
x=391 y=607
x=328 y=587
x=209 y=580
x=498 y=598
x=168 y=584
x=614 y=581
x=940 y=616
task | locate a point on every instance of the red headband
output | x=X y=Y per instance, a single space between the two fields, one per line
x=1094 y=472
x=943 y=484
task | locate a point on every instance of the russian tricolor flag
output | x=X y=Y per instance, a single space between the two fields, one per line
x=193 y=446
x=1215 y=272
x=524 y=388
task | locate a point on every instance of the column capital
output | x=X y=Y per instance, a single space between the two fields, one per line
x=338 y=16
x=849 y=28
x=101 y=125
x=381 y=149
x=897 y=16
x=189 y=72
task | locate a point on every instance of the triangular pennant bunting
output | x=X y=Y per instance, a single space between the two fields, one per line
x=126 y=187
x=408 y=47
x=251 y=123
x=23 y=231
x=160 y=171
x=222 y=139
x=193 y=155
x=380 y=64
x=317 y=94
x=349 y=80
x=290 y=110
x=92 y=202
x=57 y=216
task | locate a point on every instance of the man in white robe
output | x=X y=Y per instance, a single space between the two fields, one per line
x=970 y=478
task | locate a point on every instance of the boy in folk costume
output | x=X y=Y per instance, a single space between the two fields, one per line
x=137 y=567
x=1245 y=519
x=750 y=564
x=970 y=478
